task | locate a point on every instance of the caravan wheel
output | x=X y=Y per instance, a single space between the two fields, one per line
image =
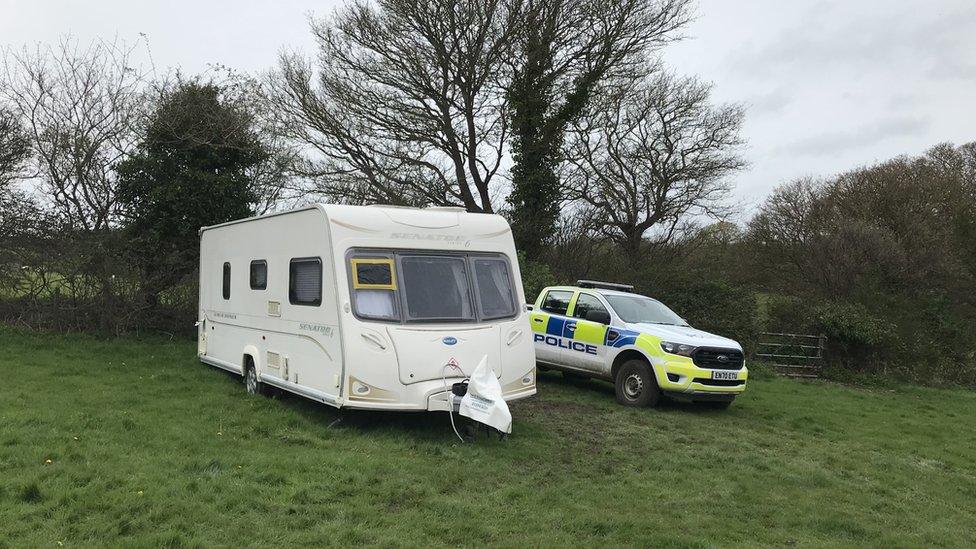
x=251 y=383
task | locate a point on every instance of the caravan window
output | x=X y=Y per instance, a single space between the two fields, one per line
x=496 y=292
x=259 y=275
x=305 y=281
x=417 y=286
x=436 y=288
x=226 y=282
x=374 y=287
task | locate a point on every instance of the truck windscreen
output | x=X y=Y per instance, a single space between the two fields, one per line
x=637 y=309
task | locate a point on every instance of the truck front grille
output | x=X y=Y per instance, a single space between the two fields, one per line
x=718 y=359
x=719 y=382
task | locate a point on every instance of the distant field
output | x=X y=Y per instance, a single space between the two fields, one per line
x=135 y=442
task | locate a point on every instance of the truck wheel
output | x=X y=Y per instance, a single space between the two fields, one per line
x=251 y=383
x=635 y=384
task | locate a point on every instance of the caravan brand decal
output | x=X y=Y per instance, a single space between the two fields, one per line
x=441 y=238
x=566 y=344
x=327 y=330
x=449 y=340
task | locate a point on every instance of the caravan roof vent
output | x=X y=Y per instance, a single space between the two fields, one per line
x=604 y=285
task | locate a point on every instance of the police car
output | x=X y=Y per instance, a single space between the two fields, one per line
x=606 y=331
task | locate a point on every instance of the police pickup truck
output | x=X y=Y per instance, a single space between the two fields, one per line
x=606 y=331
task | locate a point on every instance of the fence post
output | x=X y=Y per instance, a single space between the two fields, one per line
x=821 y=347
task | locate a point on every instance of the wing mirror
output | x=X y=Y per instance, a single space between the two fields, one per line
x=596 y=315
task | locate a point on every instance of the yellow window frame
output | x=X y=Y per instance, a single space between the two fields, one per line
x=356 y=262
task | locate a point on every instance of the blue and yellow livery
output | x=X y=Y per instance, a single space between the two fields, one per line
x=604 y=331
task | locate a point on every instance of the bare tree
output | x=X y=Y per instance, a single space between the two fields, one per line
x=405 y=106
x=650 y=154
x=78 y=107
x=14 y=147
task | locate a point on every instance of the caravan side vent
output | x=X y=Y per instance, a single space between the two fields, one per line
x=274 y=360
x=274 y=308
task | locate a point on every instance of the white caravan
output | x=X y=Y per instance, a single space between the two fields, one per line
x=371 y=307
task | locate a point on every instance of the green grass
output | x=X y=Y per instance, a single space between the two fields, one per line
x=148 y=447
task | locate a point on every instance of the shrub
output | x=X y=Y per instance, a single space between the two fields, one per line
x=714 y=307
x=535 y=277
x=856 y=339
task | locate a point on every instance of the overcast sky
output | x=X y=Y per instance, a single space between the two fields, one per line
x=829 y=84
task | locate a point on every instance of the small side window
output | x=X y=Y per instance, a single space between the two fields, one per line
x=226 y=284
x=586 y=303
x=557 y=301
x=305 y=281
x=259 y=275
x=374 y=287
x=374 y=273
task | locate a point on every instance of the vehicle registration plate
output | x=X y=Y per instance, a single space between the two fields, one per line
x=727 y=375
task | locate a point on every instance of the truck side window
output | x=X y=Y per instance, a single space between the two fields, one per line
x=305 y=281
x=374 y=287
x=586 y=303
x=557 y=301
x=259 y=275
x=226 y=282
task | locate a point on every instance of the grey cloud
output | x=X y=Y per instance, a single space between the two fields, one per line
x=769 y=103
x=828 y=144
x=935 y=40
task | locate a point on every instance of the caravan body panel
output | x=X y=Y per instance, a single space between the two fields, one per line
x=332 y=350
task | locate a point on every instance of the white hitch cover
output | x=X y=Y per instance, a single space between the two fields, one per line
x=483 y=401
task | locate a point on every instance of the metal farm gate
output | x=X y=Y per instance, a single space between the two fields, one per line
x=794 y=355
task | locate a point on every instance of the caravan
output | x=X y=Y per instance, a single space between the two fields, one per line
x=377 y=307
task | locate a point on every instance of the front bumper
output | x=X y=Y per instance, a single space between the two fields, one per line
x=439 y=402
x=679 y=375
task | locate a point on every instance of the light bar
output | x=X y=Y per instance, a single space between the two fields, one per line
x=604 y=285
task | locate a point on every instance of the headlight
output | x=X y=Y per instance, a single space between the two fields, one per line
x=677 y=348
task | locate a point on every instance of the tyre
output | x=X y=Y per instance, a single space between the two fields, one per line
x=635 y=384
x=716 y=404
x=252 y=385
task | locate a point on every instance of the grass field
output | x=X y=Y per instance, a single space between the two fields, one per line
x=136 y=443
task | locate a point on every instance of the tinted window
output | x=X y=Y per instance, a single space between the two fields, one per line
x=586 y=303
x=435 y=288
x=305 y=281
x=226 y=282
x=496 y=294
x=374 y=274
x=259 y=275
x=557 y=301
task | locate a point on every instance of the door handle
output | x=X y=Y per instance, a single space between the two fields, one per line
x=375 y=339
x=538 y=320
x=513 y=336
